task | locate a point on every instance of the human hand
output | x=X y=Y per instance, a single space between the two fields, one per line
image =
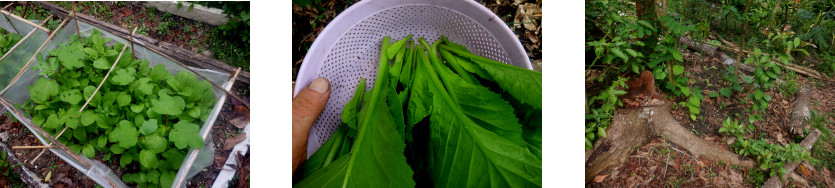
x=306 y=109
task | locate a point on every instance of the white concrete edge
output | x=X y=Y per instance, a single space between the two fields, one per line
x=212 y=16
x=227 y=173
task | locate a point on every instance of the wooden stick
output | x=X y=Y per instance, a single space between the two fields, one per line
x=202 y=76
x=24 y=20
x=21 y=41
x=25 y=67
x=132 y=51
x=103 y=80
x=78 y=30
x=34 y=147
x=7 y=6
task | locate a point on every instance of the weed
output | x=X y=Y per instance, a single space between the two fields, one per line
x=823 y=148
x=791 y=86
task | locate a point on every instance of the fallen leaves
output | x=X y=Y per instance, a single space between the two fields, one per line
x=231 y=142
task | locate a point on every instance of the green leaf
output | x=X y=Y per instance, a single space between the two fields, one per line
x=71 y=96
x=155 y=143
x=678 y=69
x=352 y=108
x=620 y=54
x=168 y=105
x=125 y=160
x=166 y=179
x=185 y=135
x=484 y=153
x=88 y=151
x=676 y=55
x=523 y=84
x=123 y=99
x=137 y=108
x=149 y=127
x=174 y=158
x=125 y=134
x=70 y=56
x=392 y=50
x=42 y=90
x=194 y=112
x=725 y=92
x=123 y=77
x=159 y=73
x=144 y=87
x=102 y=63
x=148 y=159
x=88 y=117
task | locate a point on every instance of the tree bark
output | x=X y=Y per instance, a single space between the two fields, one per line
x=633 y=127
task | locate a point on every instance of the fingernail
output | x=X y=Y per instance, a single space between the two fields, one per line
x=319 y=85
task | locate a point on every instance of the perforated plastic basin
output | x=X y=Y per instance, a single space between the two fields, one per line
x=348 y=48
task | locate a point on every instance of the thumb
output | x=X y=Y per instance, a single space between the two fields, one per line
x=307 y=106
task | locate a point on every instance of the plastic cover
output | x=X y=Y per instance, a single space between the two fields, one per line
x=17 y=58
x=101 y=174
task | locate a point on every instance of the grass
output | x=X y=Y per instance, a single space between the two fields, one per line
x=234 y=52
x=824 y=147
x=791 y=86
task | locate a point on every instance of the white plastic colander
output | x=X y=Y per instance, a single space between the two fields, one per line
x=349 y=47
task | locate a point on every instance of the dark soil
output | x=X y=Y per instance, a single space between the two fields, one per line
x=62 y=174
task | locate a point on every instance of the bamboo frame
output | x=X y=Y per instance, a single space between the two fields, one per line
x=24 y=20
x=33 y=56
x=21 y=40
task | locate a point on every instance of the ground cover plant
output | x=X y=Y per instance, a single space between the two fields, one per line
x=143 y=116
x=433 y=103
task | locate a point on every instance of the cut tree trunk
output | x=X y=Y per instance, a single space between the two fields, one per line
x=633 y=127
x=801 y=113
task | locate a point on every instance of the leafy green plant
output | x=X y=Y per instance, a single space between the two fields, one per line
x=143 y=114
x=599 y=118
x=421 y=112
x=770 y=157
x=732 y=127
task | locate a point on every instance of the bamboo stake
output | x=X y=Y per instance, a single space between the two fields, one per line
x=103 y=80
x=25 y=67
x=24 y=20
x=132 y=51
x=21 y=41
x=77 y=29
x=7 y=6
x=34 y=147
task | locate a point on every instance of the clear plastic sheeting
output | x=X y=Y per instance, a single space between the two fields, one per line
x=18 y=94
x=17 y=58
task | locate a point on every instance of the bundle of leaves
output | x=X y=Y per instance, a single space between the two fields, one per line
x=458 y=121
x=143 y=116
x=8 y=70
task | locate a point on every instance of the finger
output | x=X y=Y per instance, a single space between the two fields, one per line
x=307 y=106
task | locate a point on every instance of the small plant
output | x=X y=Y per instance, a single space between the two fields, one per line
x=598 y=119
x=732 y=127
